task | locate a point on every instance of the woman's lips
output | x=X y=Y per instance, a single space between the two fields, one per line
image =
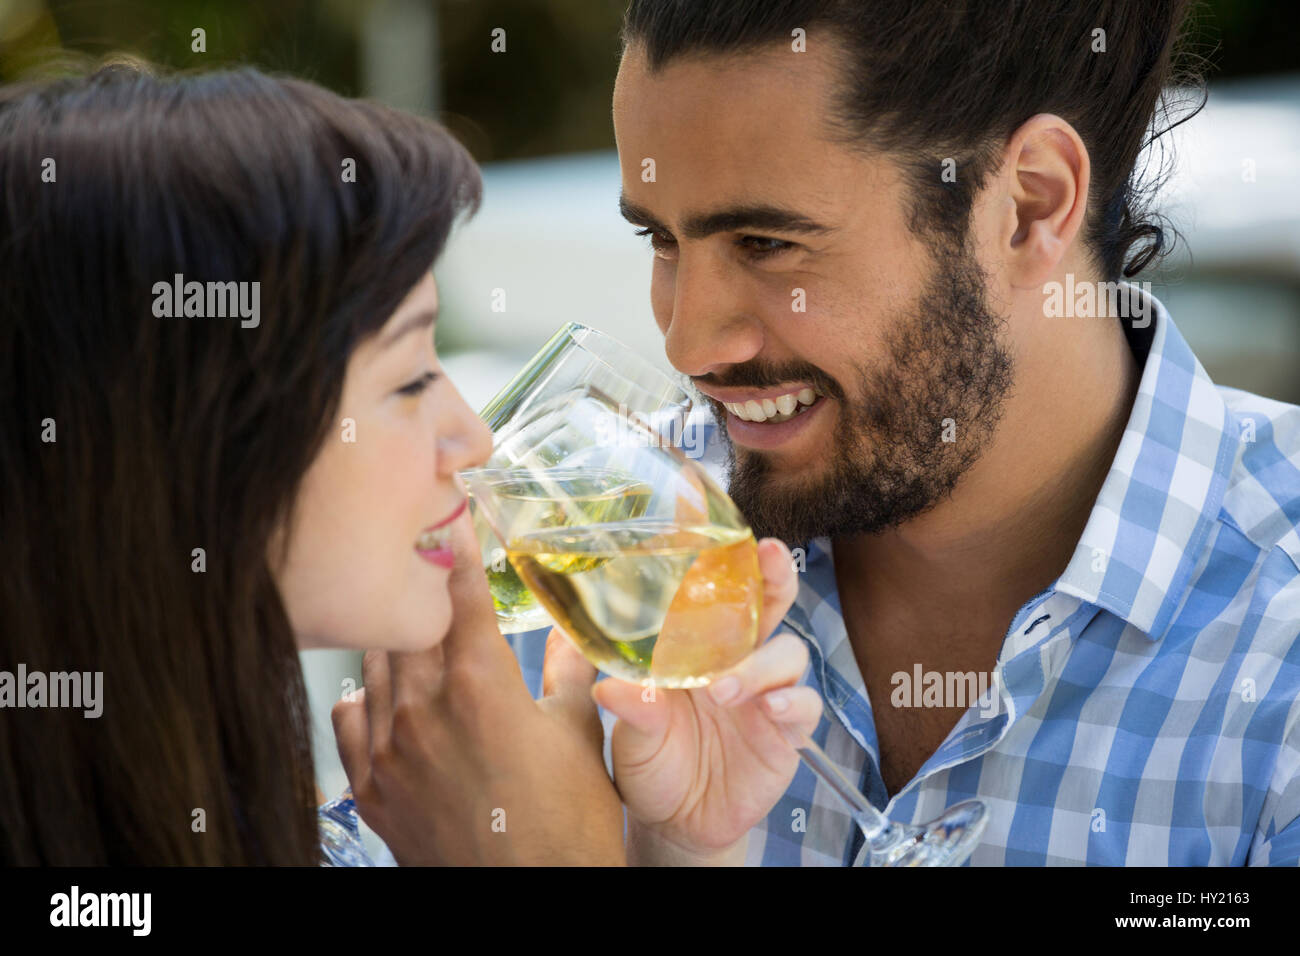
x=442 y=556
x=456 y=513
x=434 y=542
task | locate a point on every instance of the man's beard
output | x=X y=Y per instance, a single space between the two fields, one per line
x=945 y=373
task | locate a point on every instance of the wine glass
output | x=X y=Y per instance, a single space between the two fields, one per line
x=574 y=358
x=659 y=585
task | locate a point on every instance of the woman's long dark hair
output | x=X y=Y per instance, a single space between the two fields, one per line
x=130 y=440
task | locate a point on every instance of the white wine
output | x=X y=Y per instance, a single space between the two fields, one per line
x=591 y=495
x=651 y=599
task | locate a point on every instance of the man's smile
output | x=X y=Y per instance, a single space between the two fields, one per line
x=772 y=408
x=765 y=418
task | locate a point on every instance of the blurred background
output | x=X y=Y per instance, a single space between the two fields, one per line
x=536 y=115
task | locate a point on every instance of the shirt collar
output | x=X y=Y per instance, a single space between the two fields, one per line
x=1162 y=495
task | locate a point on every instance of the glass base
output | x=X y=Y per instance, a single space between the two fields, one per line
x=947 y=840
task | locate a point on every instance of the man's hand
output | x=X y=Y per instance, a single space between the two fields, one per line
x=698 y=768
x=451 y=761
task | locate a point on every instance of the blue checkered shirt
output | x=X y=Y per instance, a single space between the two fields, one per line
x=1148 y=701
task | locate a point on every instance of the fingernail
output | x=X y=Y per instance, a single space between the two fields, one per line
x=724 y=690
x=777 y=702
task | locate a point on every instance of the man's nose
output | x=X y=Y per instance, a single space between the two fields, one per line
x=713 y=323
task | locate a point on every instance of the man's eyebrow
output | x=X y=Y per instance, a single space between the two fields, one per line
x=413 y=323
x=729 y=219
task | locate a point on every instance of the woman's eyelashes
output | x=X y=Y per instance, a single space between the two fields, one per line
x=419 y=385
x=754 y=247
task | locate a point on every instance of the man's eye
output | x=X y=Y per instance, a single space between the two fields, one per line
x=759 y=247
x=657 y=239
x=419 y=385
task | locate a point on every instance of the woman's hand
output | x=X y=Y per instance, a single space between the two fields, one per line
x=698 y=768
x=451 y=761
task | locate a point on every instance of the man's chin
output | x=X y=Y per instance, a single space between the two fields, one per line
x=804 y=466
x=775 y=474
x=779 y=467
x=778 y=503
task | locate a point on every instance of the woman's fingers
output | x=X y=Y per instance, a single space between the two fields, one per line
x=474 y=628
x=378 y=699
x=778 y=663
x=565 y=672
x=779 y=583
x=567 y=677
x=415 y=678
x=352 y=734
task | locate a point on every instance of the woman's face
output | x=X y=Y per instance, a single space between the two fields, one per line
x=368 y=558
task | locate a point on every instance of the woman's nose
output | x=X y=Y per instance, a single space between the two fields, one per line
x=467 y=443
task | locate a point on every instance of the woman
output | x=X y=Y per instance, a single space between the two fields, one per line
x=227 y=439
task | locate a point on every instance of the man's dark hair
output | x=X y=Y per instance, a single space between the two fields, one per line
x=932 y=79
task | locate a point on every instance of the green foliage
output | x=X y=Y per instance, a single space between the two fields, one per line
x=548 y=93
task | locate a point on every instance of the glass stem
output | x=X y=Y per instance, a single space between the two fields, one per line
x=871 y=821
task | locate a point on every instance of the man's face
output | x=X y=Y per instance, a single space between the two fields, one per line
x=783 y=266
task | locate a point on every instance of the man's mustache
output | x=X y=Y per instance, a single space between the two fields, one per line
x=763 y=375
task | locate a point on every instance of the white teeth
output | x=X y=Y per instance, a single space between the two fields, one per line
x=432 y=539
x=778 y=409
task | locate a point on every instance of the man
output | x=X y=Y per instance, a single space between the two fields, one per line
x=885 y=240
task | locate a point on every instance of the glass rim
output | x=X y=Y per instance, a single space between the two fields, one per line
x=560 y=472
x=667 y=387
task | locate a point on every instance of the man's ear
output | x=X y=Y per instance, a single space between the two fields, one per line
x=1045 y=169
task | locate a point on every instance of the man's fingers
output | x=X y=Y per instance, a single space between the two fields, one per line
x=793 y=712
x=779 y=583
x=800 y=708
x=644 y=709
x=780 y=662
